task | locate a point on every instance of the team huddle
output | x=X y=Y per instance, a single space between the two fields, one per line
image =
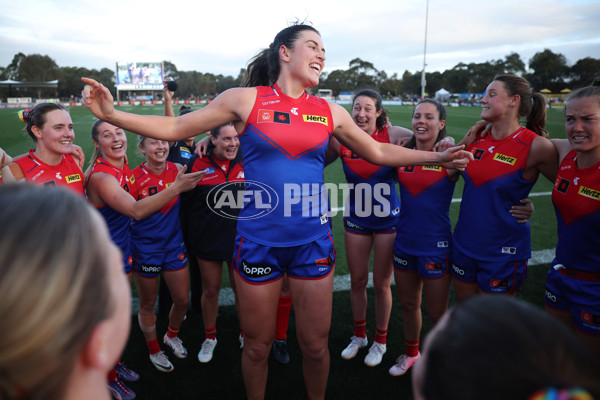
x=161 y=215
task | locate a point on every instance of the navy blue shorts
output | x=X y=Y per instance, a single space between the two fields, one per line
x=578 y=295
x=151 y=265
x=258 y=264
x=504 y=277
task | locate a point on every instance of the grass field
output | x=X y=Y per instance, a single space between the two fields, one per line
x=221 y=378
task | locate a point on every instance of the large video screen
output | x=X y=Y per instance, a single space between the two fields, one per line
x=140 y=76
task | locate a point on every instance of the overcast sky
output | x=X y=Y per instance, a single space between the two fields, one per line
x=221 y=36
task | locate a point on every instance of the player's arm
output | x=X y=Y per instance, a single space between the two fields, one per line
x=108 y=190
x=333 y=151
x=522 y=213
x=349 y=134
x=562 y=146
x=12 y=172
x=399 y=135
x=232 y=105
x=544 y=157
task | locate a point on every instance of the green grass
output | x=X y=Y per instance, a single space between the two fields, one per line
x=222 y=378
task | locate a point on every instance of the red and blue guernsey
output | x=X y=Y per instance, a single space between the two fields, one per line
x=66 y=173
x=283 y=151
x=161 y=231
x=493 y=183
x=118 y=224
x=576 y=198
x=372 y=187
x=424 y=225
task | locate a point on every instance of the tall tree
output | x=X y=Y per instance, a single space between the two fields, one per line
x=513 y=64
x=411 y=84
x=457 y=78
x=584 y=71
x=549 y=71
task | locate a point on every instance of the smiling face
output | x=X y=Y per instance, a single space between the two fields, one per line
x=111 y=141
x=226 y=144
x=497 y=103
x=582 y=124
x=365 y=113
x=426 y=125
x=156 y=151
x=306 y=59
x=56 y=135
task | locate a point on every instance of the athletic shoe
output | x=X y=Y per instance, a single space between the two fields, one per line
x=206 y=352
x=403 y=364
x=280 y=351
x=125 y=373
x=241 y=338
x=161 y=362
x=176 y=345
x=356 y=343
x=375 y=354
x=119 y=391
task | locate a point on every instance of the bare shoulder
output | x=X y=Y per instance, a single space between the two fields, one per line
x=339 y=114
x=562 y=147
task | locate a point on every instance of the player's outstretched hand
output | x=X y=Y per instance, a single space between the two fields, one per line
x=184 y=182
x=456 y=158
x=98 y=99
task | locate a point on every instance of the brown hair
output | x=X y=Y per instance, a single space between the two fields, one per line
x=532 y=104
x=54 y=285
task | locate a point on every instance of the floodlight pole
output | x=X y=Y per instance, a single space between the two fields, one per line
x=424 y=53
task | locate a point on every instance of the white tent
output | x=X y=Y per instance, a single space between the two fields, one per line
x=442 y=94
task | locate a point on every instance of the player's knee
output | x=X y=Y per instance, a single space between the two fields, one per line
x=255 y=350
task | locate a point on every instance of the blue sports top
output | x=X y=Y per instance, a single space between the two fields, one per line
x=283 y=151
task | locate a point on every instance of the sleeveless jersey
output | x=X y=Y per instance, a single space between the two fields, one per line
x=424 y=224
x=66 y=173
x=493 y=184
x=211 y=204
x=372 y=188
x=283 y=150
x=159 y=232
x=118 y=224
x=576 y=199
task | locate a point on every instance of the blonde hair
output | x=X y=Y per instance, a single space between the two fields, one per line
x=54 y=286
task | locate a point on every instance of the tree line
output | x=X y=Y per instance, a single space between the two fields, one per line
x=546 y=70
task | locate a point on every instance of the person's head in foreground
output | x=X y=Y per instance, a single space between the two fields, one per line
x=65 y=308
x=497 y=347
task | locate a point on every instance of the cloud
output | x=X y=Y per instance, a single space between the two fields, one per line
x=220 y=37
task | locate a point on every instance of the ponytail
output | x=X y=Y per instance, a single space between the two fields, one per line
x=263 y=69
x=532 y=105
x=536 y=119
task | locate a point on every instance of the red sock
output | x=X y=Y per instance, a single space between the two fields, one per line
x=172 y=332
x=380 y=336
x=112 y=375
x=360 y=328
x=283 y=317
x=211 y=333
x=411 y=348
x=153 y=346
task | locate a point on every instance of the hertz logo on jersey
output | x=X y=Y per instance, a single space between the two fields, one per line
x=587 y=192
x=315 y=118
x=432 y=168
x=505 y=159
x=73 y=178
